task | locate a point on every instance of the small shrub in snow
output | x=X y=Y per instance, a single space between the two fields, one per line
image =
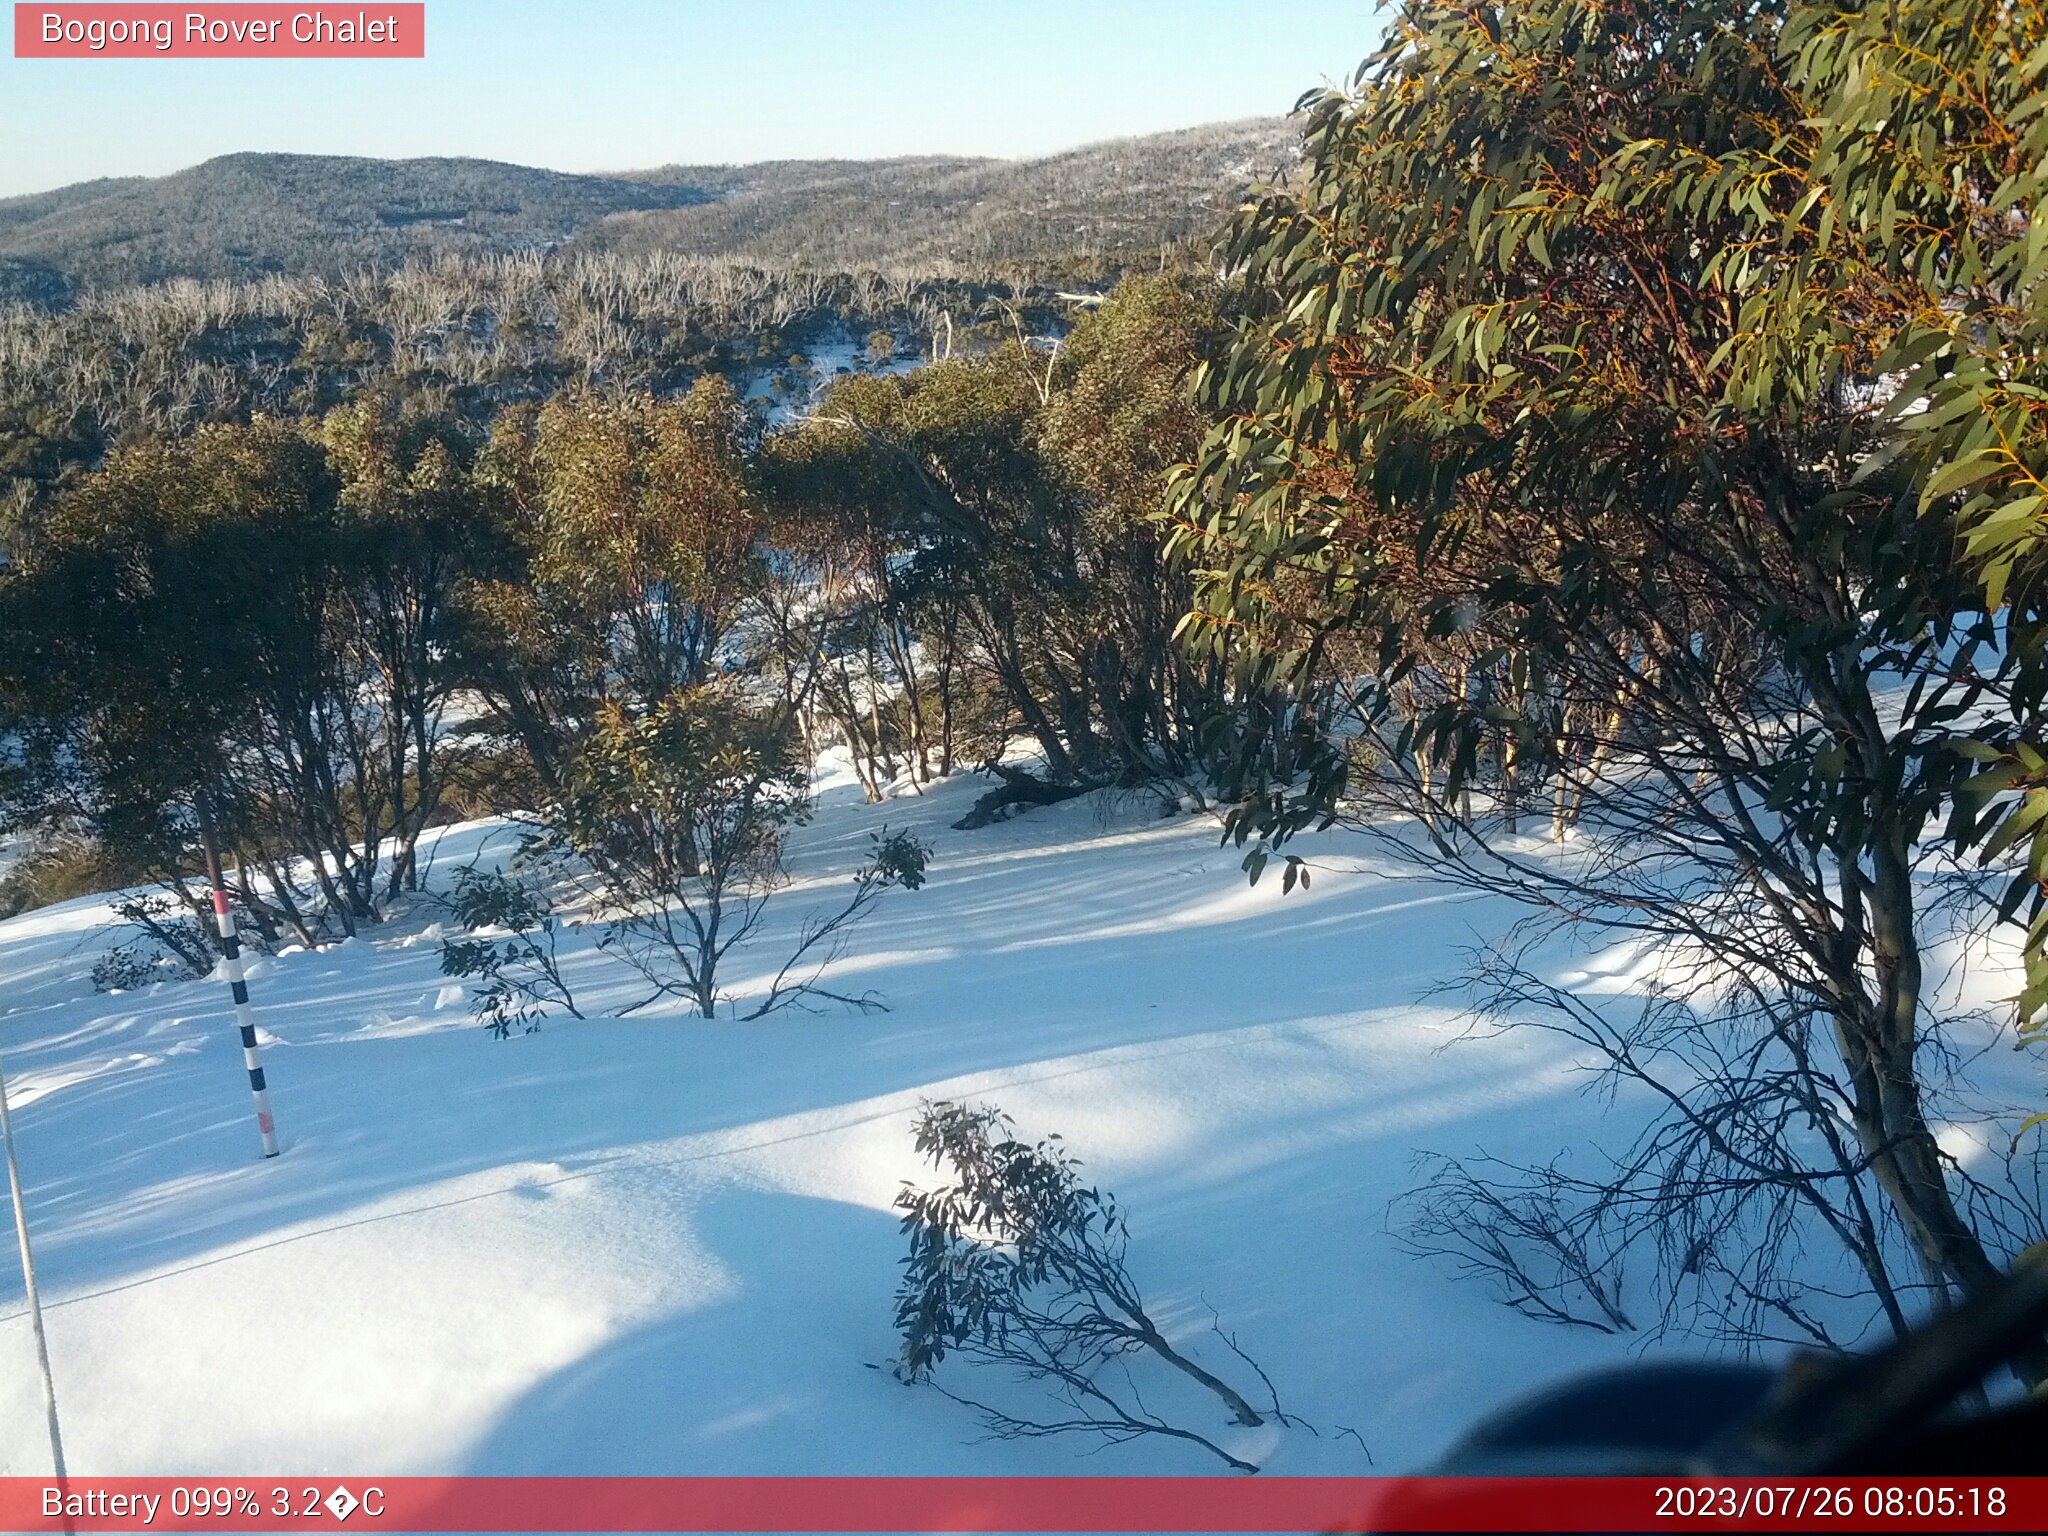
x=1018 y=1263
x=679 y=814
x=1542 y=1239
x=185 y=942
x=517 y=980
x=129 y=967
x=169 y=946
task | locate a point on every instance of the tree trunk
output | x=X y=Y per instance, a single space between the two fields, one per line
x=1878 y=1042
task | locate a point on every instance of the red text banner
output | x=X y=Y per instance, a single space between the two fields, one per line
x=1063 y=1504
x=115 y=31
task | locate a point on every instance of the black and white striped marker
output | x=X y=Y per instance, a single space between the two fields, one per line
x=231 y=958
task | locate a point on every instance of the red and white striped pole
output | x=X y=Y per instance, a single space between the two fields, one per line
x=231 y=960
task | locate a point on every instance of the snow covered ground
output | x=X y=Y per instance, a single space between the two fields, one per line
x=661 y=1245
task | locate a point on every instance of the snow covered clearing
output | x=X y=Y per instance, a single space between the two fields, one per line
x=665 y=1245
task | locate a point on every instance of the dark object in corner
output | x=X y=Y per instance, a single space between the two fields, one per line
x=1905 y=1410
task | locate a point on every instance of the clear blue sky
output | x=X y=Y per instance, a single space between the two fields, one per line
x=618 y=84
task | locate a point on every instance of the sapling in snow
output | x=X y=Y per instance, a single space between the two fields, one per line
x=518 y=977
x=678 y=815
x=1018 y=1263
x=168 y=945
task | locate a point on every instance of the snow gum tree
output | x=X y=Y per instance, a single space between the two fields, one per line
x=632 y=553
x=412 y=530
x=174 y=663
x=1927 y=157
x=1566 y=415
x=983 y=524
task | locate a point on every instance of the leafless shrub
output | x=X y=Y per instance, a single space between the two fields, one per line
x=1538 y=1240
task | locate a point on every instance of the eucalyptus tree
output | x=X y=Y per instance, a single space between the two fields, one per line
x=172 y=670
x=630 y=544
x=1556 y=449
x=992 y=516
x=411 y=534
x=1926 y=154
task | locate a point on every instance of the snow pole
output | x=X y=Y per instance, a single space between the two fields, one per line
x=28 y=1276
x=231 y=962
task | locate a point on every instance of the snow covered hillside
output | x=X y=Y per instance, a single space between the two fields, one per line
x=661 y=1245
